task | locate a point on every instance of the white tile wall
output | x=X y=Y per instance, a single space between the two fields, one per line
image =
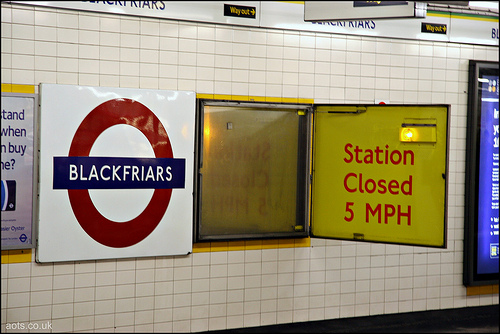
x=230 y=289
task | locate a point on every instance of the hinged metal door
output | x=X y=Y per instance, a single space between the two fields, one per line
x=379 y=173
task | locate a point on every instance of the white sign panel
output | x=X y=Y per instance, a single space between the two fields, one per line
x=290 y=15
x=18 y=112
x=199 y=11
x=116 y=173
x=469 y=31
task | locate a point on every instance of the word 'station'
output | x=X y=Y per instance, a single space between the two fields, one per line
x=364 y=184
x=12 y=128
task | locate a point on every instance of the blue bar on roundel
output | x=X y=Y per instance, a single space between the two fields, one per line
x=118 y=173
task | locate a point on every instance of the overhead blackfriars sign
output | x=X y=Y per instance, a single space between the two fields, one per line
x=160 y=155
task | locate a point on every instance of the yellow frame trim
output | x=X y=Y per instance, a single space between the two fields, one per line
x=463 y=16
x=482 y=290
x=13 y=88
x=16 y=256
x=254 y=98
x=224 y=246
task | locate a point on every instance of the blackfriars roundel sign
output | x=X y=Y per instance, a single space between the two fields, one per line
x=110 y=113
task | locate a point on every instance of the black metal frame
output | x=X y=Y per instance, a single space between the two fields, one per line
x=470 y=275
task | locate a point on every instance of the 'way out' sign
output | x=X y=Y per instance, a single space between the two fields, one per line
x=115 y=172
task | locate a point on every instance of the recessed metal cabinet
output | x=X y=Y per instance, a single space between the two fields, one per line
x=379 y=173
x=252 y=171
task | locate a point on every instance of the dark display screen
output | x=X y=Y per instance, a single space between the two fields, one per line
x=487 y=234
x=481 y=256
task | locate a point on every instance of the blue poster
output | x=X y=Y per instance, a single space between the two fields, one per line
x=487 y=243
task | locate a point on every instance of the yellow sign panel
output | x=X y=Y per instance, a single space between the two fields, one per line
x=379 y=174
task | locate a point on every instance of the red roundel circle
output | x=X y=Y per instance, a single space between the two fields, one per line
x=98 y=227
